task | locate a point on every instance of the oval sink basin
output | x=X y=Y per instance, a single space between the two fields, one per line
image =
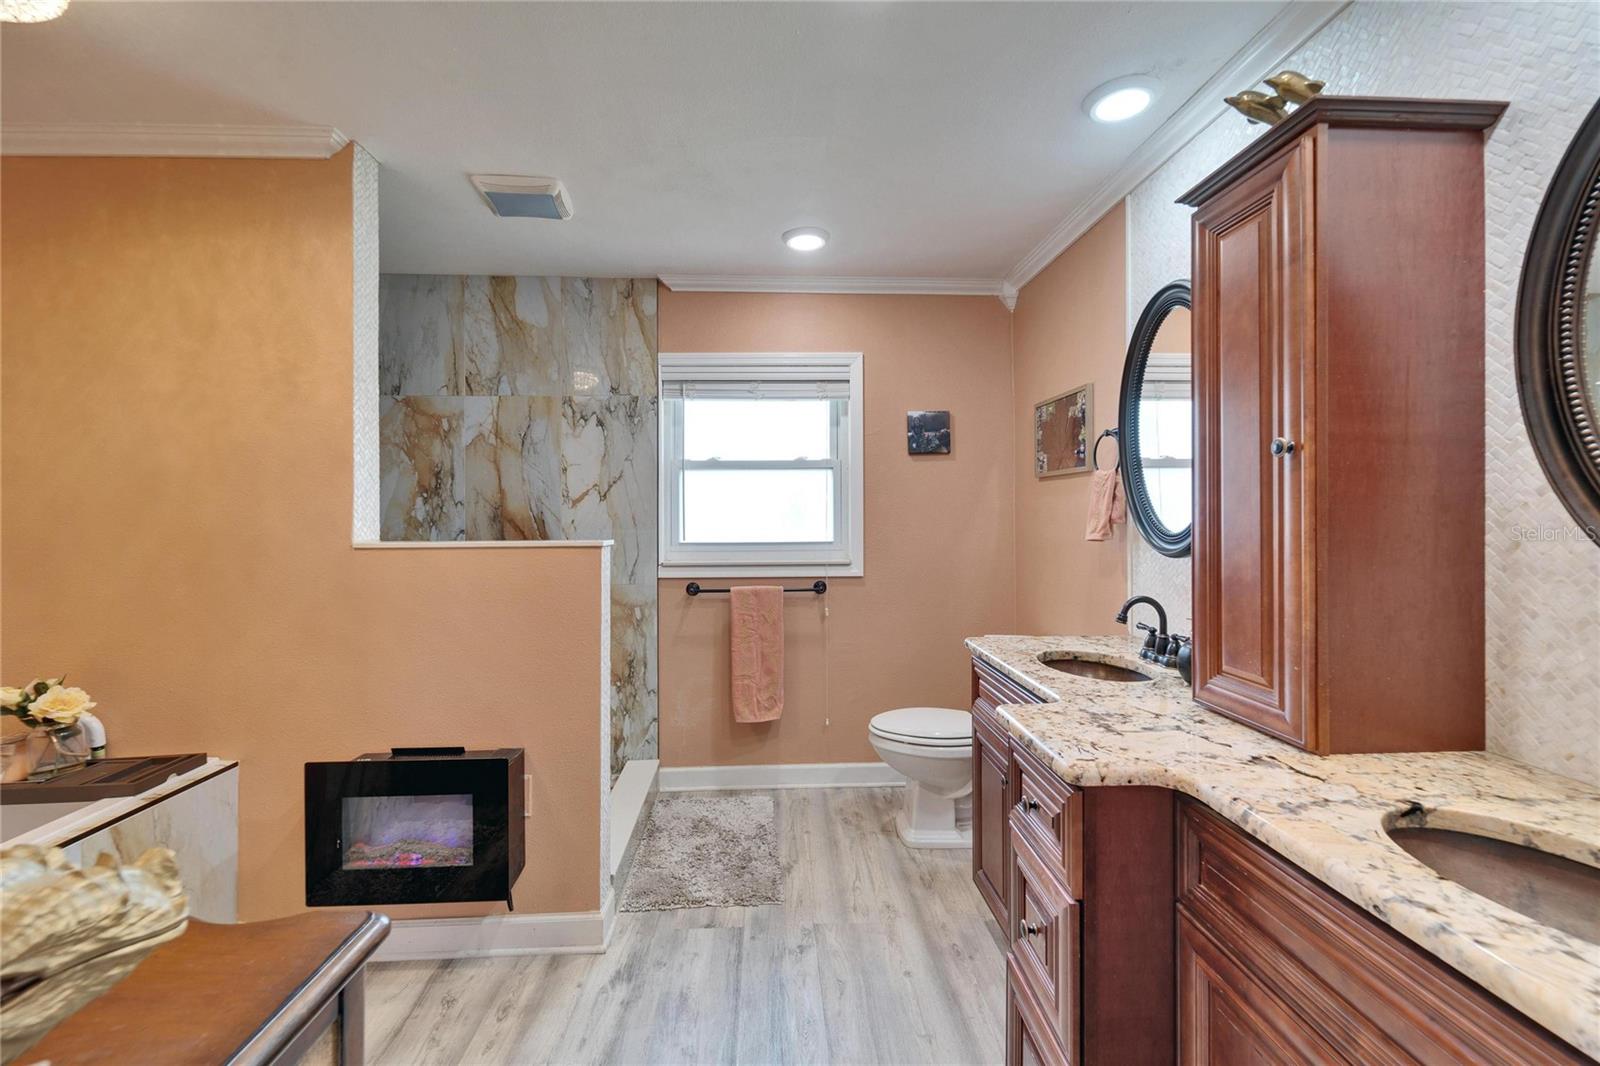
x=1550 y=889
x=1091 y=668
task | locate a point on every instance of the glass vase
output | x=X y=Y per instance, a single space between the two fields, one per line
x=17 y=753
x=64 y=747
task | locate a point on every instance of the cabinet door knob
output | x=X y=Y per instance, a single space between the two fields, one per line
x=1282 y=446
x=1029 y=803
x=1025 y=930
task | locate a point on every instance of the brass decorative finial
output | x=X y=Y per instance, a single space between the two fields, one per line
x=1294 y=86
x=1259 y=107
x=1289 y=87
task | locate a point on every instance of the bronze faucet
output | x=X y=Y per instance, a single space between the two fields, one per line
x=1155 y=645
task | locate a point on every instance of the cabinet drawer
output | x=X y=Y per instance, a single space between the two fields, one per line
x=1044 y=935
x=1030 y=1040
x=1049 y=812
x=1367 y=991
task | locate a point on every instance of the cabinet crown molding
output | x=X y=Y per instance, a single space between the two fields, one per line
x=1394 y=112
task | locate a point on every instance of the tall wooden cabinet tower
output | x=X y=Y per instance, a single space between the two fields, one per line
x=1339 y=374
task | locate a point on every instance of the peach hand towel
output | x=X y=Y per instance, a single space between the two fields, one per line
x=757 y=675
x=1106 y=504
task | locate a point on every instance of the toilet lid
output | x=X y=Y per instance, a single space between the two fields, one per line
x=933 y=726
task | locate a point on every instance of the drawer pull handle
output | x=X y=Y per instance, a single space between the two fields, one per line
x=1026 y=930
x=1029 y=803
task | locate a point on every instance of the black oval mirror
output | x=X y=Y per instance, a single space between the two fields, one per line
x=1558 y=331
x=1155 y=437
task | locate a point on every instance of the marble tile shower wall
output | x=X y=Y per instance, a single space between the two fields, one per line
x=525 y=409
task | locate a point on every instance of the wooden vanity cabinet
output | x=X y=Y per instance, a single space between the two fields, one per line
x=991 y=760
x=1046 y=954
x=1274 y=967
x=1092 y=911
x=1081 y=880
x=1030 y=1039
x=1338 y=339
x=991 y=845
x=1229 y=1018
x=1143 y=928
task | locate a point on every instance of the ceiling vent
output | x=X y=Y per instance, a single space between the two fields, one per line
x=510 y=196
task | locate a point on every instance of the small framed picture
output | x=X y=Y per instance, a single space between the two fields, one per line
x=928 y=432
x=1062 y=430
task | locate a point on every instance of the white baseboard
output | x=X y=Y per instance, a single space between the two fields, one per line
x=630 y=798
x=783 y=775
x=584 y=933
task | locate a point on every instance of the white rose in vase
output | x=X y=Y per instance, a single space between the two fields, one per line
x=60 y=706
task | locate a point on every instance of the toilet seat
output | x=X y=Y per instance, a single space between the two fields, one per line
x=924 y=727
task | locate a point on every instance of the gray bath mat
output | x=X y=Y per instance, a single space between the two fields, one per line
x=706 y=850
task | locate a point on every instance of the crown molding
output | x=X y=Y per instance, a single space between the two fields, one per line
x=1269 y=48
x=171 y=139
x=846 y=285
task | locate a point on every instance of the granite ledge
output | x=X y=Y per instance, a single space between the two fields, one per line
x=1327 y=814
x=85 y=819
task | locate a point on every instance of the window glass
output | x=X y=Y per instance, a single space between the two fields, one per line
x=1165 y=427
x=758 y=506
x=1171 y=491
x=756 y=430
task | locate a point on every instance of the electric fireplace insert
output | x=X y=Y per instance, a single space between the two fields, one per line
x=414 y=825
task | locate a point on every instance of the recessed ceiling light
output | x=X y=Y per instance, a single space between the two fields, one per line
x=1121 y=99
x=806 y=238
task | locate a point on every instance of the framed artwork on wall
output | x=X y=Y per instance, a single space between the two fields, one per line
x=928 y=432
x=1062 y=430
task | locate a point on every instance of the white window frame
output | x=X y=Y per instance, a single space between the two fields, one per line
x=841 y=558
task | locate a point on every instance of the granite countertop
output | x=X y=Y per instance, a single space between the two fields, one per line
x=1327 y=814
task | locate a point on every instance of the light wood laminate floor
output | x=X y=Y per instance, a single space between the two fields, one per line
x=878 y=954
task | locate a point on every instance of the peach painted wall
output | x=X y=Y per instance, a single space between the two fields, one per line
x=176 y=434
x=1068 y=330
x=939 y=538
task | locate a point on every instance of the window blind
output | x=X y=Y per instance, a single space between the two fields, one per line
x=702 y=389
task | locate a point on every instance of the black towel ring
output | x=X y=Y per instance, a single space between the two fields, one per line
x=1112 y=433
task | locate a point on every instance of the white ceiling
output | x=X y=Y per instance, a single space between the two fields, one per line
x=931 y=140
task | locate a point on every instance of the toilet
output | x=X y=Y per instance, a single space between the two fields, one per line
x=932 y=748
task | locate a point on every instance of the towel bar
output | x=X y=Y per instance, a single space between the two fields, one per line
x=819 y=587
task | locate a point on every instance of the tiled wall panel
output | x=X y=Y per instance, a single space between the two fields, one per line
x=525 y=409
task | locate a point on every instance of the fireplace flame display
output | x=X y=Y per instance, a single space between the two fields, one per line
x=382 y=832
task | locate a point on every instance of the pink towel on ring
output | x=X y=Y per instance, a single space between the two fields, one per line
x=1106 y=504
x=757 y=660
